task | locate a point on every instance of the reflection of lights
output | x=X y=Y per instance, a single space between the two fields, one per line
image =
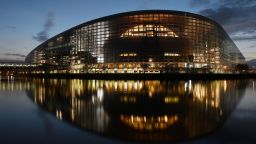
x=225 y=85
x=165 y=118
x=115 y=85
x=93 y=85
x=101 y=118
x=253 y=86
x=149 y=123
x=41 y=94
x=126 y=99
x=171 y=99
x=140 y=85
x=59 y=114
x=76 y=87
x=72 y=114
x=199 y=92
x=136 y=85
x=125 y=86
x=190 y=85
x=151 y=90
x=207 y=95
x=35 y=100
x=100 y=94
x=130 y=85
x=212 y=103
x=150 y=94
x=93 y=99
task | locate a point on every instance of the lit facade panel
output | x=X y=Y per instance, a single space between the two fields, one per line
x=139 y=42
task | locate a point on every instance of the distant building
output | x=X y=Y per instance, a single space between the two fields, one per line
x=149 y=41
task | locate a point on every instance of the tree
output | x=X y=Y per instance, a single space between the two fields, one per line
x=242 y=67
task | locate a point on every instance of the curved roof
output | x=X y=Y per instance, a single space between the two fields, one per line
x=180 y=13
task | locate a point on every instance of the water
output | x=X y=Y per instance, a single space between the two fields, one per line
x=98 y=111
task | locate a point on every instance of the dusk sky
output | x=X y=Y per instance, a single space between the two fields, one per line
x=24 y=24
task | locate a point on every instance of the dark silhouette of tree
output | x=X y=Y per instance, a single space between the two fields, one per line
x=145 y=66
x=242 y=67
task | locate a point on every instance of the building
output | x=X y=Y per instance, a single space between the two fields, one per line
x=148 y=41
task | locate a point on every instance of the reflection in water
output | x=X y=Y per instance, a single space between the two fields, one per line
x=149 y=123
x=138 y=110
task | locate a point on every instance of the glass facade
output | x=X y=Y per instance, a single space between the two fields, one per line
x=155 y=41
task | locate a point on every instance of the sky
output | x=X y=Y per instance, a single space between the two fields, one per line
x=24 y=24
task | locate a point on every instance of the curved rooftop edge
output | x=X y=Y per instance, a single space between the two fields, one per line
x=220 y=36
x=189 y=14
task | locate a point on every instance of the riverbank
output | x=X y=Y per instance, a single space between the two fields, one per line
x=141 y=76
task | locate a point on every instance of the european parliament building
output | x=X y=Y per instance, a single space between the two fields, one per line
x=148 y=41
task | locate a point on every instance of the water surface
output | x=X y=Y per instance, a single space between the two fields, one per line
x=93 y=111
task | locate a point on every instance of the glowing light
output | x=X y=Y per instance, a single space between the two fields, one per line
x=225 y=85
x=136 y=85
x=59 y=114
x=93 y=99
x=171 y=54
x=77 y=66
x=115 y=85
x=128 y=54
x=149 y=123
x=190 y=85
x=128 y=99
x=171 y=99
x=100 y=60
x=149 y=31
x=100 y=94
x=72 y=115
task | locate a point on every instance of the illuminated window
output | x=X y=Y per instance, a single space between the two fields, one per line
x=128 y=54
x=149 y=31
x=171 y=54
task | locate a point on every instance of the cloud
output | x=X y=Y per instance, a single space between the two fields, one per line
x=237 y=3
x=244 y=38
x=12 y=28
x=252 y=46
x=41 y=36
x=236 y=16
x=233 y=19
x=198 y=3
x=44 y=34
x=9 y=28
x=15 y=54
